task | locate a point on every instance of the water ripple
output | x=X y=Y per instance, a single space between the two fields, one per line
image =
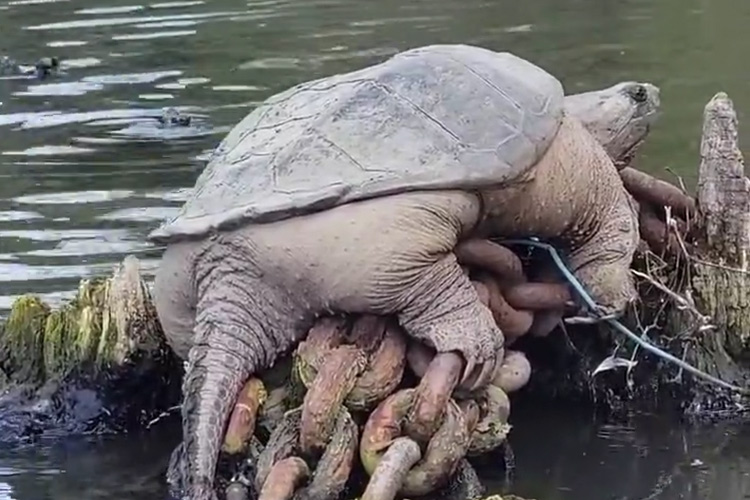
x=151 y=36
x=73 y=197
x=118 y=21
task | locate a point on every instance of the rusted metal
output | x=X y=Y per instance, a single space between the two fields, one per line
x=381 y=342
x=385 y=365
x=513 y=372
x=493 y=257
x=512 y=322
x=392 y=469
x=242 y=421
x=325 y=396
x=281 y=461
x=283 y=443
x=538 y=296
x=492 y=428
x=432 y=396
x=285 y=478
x=442 y=453
x=356 y=365
x=337 y=462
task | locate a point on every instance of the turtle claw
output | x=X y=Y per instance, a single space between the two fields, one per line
x=477 y=375
x=466 y=375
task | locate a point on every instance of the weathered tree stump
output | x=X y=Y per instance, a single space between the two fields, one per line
x=106 y=346
x=109 y=323
x=720 y=273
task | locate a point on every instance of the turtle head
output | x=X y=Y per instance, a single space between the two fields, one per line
x=619 y=117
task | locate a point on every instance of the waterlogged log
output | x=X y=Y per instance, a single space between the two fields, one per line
x=721 y=279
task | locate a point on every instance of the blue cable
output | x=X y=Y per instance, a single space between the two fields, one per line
x=615 y=323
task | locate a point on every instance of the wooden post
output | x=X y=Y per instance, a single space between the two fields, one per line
x=720 y=280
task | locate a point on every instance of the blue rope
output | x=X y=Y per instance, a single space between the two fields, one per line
x=615 y=323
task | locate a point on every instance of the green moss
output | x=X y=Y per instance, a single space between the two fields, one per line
x=60 y=354
x=37 y=344
x=108 y=334
x=90 y=305
x=44 y=344
x=24 y=338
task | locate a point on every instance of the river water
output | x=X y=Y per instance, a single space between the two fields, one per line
x=85 y=174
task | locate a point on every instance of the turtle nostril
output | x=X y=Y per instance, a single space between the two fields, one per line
x=638 y=93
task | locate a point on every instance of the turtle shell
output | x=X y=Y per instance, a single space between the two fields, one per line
x=434 y=117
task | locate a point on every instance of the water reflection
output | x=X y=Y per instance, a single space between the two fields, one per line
x=560 y=455
x=90 y=468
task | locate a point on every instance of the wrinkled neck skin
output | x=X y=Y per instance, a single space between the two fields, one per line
x=574 y=199
x=242 y=324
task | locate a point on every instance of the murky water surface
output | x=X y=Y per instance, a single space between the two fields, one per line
x=85 y=172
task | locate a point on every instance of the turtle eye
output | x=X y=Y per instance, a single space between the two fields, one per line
x=638 y=93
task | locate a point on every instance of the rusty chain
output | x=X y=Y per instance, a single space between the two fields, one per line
x=432 y=420
x=414 y=440
x=346 y=363
x=346 y=366
x=283 y=472
x=350 y=365
x=518 y=305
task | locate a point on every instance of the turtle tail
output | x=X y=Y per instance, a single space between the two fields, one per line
x=230 y=345
x=215 y=375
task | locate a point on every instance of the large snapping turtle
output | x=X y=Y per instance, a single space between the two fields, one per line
x=348 y=194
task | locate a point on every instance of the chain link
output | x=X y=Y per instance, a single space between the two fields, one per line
x=345 y=365
x=518 y=305
x=445 y=439
x=283 y=467
x=381 y=342
x=342 y=363
x=354 y=364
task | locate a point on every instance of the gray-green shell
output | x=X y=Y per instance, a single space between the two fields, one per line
x=435 y=117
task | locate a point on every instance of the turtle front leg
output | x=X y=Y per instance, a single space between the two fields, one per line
x=602 y=264
x=446 y=313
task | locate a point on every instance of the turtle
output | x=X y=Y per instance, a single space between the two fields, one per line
x=43 y=68
x=172 y=117
x=348 y=193
x=8 y=66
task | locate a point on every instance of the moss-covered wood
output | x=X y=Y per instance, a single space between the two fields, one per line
x=109 y=321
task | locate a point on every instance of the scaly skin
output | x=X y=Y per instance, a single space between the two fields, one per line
x=239 y=299
x=585 y=210
x=258 y=289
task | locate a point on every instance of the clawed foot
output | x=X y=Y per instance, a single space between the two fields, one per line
x=478 y=374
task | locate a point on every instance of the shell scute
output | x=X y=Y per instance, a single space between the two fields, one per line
x=435 y=117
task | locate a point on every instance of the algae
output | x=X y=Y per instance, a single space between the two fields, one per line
x=74 y=333
x=23 y=339
x=107 y=321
